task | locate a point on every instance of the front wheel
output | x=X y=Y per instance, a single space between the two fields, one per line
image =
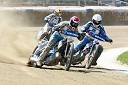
x=69 y=56
x=91 y=58
x=89 y=61
x=29 y=63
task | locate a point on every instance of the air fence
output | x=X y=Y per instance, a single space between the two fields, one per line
x=35 y=15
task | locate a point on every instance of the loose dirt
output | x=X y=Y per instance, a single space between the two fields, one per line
x=17 y=43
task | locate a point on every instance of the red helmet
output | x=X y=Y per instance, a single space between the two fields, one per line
x=74 y=21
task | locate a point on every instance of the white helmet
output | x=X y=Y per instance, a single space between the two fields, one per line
x=97 y=19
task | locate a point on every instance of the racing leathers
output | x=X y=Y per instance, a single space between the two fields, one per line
x=51 y=20
x=95 y=31
x=62 y=31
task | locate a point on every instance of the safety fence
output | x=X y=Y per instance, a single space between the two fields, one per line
x=34 y=16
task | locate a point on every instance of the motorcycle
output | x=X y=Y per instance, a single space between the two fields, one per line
x=66 y=49
x=94 y=51
x=90 y=52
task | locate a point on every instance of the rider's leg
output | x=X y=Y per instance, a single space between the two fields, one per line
x=98 y=53
x=43 y=35
x=53 y=59
x=53 y=40
x=78 y=47
x=81 y=44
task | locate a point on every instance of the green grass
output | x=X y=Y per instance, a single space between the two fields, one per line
x=123 y=58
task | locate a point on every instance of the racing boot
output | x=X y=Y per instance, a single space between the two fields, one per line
x=58 y=56
x=40 y=59
x=33 y=61
x=62 y=62
x=76 y=58
x=53 y=59
x=82 y=57
x=94 y=63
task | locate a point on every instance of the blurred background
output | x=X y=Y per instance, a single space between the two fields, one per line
x=64 y=3
x=32 y=12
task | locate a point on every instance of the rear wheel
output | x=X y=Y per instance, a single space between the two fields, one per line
x=69 y=57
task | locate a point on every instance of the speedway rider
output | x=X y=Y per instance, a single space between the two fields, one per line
x=62 y=30
x=51 y=20
x=93 y=28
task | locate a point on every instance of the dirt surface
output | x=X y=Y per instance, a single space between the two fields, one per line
x=17 y=43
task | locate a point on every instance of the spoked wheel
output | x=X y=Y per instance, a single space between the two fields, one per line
x=69 y=56
x=91 y=58
x=89 y=61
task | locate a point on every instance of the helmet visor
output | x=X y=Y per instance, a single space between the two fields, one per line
x=96 y=22
x=74 y=24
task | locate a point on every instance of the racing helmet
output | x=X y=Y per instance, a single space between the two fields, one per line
x=97 y=19
x=74 y=21
x=58 y=12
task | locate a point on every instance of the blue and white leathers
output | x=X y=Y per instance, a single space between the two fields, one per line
x=96 y=31
x=51 y=20
x=63 y=32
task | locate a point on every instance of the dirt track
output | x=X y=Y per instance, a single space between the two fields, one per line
x=17 y=44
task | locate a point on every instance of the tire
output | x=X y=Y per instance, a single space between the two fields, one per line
x=69 y=56
x=91 y=58
x=89 y=61
x=35 y=49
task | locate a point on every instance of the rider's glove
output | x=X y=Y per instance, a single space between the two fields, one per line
x=46 y=21
x=110 y=40
x=52 y=24
x=56 y=28
x=90 y=33
x=81 y=36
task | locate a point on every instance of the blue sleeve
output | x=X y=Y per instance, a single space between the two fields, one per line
x=85 y=27
x=47 y=18
x=103 y=34
x=96 y=36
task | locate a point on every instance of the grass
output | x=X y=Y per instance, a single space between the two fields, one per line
x=123 y=58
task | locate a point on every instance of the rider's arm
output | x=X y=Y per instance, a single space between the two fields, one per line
x=96 y=36
x=103 y=34
x=47 y=18
x=60 y=26
x=71 y=33
x=86 y=27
